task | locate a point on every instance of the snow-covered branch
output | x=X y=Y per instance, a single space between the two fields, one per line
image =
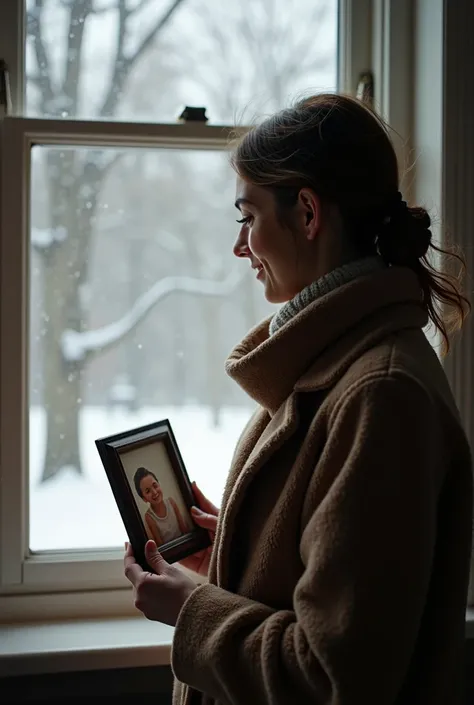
x=42 y=238
x=77 y=346
x=34 y=28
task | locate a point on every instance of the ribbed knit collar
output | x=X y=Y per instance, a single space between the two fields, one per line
x=324 y=285
x=345 y=320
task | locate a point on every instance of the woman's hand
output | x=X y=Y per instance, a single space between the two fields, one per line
x=159 y=595
x=205 y=516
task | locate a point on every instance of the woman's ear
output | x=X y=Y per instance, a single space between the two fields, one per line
x=309 y=205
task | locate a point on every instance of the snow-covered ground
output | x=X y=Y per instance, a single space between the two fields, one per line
x=74 y=512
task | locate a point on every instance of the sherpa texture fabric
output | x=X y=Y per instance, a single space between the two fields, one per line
x=340 y=566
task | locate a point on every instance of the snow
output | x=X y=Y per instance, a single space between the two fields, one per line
x=75 y=344
x=45 y=237
x=122 y=391
x=79 y=512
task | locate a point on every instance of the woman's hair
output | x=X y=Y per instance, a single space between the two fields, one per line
x=140 y=473
x=341 y=149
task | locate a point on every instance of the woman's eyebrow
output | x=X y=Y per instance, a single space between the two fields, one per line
x=240 y=201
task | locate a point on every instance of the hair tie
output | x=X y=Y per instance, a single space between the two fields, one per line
x=397 y=208
x=405 y=234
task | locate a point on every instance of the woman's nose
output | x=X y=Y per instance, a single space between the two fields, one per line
x=241 y=248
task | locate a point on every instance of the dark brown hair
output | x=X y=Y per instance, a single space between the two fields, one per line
x=341 y=149
x=141 y=473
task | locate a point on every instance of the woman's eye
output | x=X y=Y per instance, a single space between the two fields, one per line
x=247 y=219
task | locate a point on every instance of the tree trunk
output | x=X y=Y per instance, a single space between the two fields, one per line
x=64 y=269
x=66 y=263
x=61 y=379
x=62 y=389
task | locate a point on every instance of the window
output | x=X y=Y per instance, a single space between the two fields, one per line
x=117 y=226
x=134 y=302
x=144 y=60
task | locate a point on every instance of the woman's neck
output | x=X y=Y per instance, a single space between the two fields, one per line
x=324 y=285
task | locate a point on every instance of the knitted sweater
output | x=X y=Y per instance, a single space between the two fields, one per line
x=325 y=284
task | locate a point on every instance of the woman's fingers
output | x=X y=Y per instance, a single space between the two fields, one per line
x=194 y=561
x=199 y=562
x=204 y=503
x=204 y=520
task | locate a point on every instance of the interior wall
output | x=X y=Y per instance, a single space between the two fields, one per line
x=129 y=686
x=133 y=686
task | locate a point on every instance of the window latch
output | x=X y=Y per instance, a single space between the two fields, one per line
x=365 y=88
x=192 y=114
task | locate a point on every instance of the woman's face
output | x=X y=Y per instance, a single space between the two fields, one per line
x=279 y=256
x=151 y=490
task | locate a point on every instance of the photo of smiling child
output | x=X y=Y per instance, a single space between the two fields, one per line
x=163 y=519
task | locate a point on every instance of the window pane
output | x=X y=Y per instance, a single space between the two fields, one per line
x=147 y=59
x=124 y=246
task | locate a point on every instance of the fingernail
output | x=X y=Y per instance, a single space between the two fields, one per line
x=126 y=545
x=195 y=510
x=194 y=483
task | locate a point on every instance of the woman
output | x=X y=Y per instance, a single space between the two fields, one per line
x=341 y=557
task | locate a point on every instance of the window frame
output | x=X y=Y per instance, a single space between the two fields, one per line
x=60 y=584
x=18 y=566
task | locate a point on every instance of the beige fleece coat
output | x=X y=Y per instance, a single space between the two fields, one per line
x=340 y=567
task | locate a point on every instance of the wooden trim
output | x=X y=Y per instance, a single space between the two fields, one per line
x=354 y=42
x=458 y=188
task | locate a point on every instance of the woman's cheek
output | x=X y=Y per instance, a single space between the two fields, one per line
x=254 y=243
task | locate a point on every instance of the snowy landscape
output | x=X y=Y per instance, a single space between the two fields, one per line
x=135 y=298
x=70 y=511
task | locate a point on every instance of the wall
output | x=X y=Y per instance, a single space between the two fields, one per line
x=133 y=686
x=469 y=672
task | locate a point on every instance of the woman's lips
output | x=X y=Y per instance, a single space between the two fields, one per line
x=259 y=269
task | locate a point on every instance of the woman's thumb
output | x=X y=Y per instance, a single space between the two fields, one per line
x=154 y=558
x=206 y=521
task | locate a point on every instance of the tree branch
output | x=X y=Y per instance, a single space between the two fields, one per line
x=43 y=238
x=153 y=32
x=140 y=6
x=123 y=64
x=120 y=71
x=80 y=10
x=108 y=8
x=35 y=30
x=78 y=346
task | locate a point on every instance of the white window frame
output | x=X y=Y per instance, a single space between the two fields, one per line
x=69 y=584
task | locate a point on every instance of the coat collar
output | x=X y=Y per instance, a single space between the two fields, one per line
x=314 y=349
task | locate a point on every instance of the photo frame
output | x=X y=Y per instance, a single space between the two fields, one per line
x=152 y=490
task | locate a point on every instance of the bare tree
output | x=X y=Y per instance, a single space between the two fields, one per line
x=72 y=206
x=236 y=51
x=255 y=56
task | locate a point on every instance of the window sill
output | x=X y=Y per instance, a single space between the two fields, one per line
x=84 y=645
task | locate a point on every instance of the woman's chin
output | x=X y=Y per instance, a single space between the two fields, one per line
x=274 y=296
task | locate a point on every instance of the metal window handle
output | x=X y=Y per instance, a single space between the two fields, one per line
x=365 y=88
x=5 y=94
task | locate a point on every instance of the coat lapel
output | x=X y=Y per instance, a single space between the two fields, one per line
x=308 y=354
x=276 y=432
